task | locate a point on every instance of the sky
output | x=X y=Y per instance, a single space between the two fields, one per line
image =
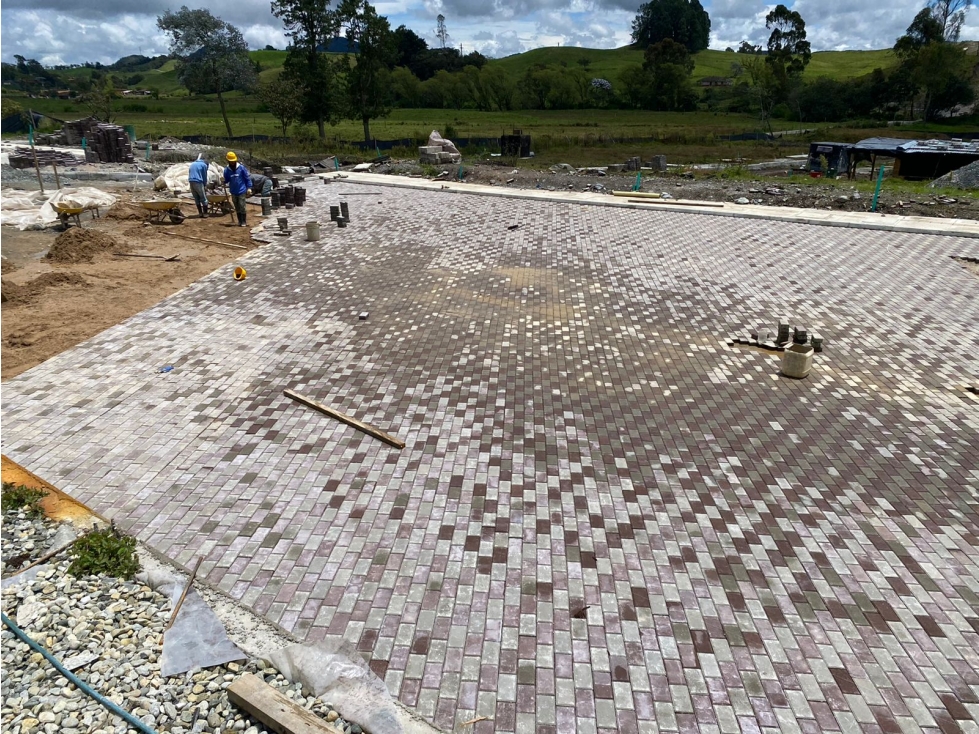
x=67 y=32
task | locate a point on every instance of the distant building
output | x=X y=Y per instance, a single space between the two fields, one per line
x=716 y=81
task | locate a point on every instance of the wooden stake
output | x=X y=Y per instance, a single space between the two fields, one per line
x=34 y=152
x=475 y=721
x=183 y=594
x=350 y=421
x=57 y=180
x=45 y=557
x=201 y=239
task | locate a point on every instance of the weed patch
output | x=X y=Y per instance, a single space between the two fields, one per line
x=19 y=497
x=105 y=551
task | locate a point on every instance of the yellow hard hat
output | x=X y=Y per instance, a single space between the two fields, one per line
x=231 y=156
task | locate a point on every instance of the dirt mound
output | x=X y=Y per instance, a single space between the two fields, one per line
x=7 y=267
x=123 y=210
x=78 y=245
x=16 y=294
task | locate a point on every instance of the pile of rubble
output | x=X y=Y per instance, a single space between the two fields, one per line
x=438 y=150
x=966 y=177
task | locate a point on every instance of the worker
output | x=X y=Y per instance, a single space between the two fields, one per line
x=239 y=185
x=198 y=180
x=262 y=184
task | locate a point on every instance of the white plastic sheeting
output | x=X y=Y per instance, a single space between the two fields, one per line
x=333 y=671
x=34 y=210
x=175 y=177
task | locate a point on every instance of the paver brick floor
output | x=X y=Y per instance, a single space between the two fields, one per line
x=605 y=518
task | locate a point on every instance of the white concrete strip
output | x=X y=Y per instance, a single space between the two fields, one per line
x=853 y=220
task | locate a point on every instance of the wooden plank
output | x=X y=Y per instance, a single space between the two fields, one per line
x=637 y=194
x=202 y=239
x=713 y=204
x=350 y=421
x=277 y=712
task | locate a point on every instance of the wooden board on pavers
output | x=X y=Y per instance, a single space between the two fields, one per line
x=277 y=712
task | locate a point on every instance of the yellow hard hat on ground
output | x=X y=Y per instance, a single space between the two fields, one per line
x=231 y=156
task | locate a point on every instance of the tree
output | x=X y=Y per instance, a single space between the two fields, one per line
x=924 y=29
x=441 y=32
x=748 y=48
x=942 y=71
x=213 y=55
x=410 y=48
x=634 y=86
x=788 y=50
x=950 y=15
x=499 y=86
x=766 y=88
x=683 y=21
x=99 y=99
x=311 y=25
x=284 y=99
x=669 y=66
x=368 y=81
x=405 y=87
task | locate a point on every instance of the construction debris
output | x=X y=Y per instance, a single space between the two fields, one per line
x=966 y=177
x=439 y=150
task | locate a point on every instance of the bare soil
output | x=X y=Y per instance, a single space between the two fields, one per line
x=52 y=304
x=769 y=189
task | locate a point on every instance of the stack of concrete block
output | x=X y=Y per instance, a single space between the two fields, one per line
x=438 y=151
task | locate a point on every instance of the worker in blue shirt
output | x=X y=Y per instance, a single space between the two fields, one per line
x=239 y=185
x=198 y=183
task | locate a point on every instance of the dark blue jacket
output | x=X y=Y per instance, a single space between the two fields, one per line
x=238 y=180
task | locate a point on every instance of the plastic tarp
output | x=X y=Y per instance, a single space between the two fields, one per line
x=336 y=673
x=197 y=638
x=34 y=210
x=175 y=177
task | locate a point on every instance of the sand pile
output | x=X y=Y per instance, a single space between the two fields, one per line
x=16 y=294
x=123 y=210
x=78 y=245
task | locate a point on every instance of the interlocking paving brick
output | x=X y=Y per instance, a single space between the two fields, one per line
x=604 y=519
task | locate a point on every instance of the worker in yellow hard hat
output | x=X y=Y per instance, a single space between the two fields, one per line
x=239 y=185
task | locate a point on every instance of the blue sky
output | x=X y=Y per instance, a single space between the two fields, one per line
x=64 y=31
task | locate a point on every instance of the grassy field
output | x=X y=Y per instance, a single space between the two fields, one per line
x=609 y=63
x=604 y=63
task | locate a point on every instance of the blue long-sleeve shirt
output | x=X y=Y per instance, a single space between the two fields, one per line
x=198 y=172
x=238 y=180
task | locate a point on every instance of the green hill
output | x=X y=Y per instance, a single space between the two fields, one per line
x=609 y=63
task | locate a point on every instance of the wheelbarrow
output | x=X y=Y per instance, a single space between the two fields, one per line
x=161 y=210
x=220 y=202
x=68 y=214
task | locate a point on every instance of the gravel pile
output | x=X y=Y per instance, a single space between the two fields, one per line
x=110 y=632
x=966 y=177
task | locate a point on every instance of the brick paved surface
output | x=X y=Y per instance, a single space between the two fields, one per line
x=605 y=518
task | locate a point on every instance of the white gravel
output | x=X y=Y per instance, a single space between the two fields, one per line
x=118 y=627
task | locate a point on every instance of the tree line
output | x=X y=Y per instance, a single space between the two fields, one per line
x=396 y=68
x=388 y=68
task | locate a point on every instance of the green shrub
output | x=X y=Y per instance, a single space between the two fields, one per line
x=105 y=551
x=19 y=497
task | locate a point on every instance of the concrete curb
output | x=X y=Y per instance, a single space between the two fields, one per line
x=853 y=220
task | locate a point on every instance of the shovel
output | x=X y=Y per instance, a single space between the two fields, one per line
x=172 y=258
